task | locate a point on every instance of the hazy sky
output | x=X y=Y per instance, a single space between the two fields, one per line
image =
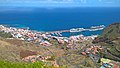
x=61 y=3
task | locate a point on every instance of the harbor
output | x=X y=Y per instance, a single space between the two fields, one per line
x=26 y=31
x=76 y=30
x=43 y=37
x=47 y=40
x=59 y=33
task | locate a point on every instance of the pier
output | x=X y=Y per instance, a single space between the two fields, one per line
x=75 y=30
x=93 y=28
x=58 y=32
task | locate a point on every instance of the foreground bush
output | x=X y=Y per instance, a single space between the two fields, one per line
x=5 y=35
x=6 y=64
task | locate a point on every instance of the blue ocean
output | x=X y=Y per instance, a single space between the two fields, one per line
x=49 y=19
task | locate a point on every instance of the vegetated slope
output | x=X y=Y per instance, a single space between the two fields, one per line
x=8 y=52
x=112 y=31
x=75 y=61
x=13 y=50
x=110 y=38
x=5 y=35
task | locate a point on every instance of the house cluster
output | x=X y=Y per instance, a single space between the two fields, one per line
x=83 y=38
x=93 y=52
x=107 y=63
x=35 y=58
x=22 y=34
x=43 y=38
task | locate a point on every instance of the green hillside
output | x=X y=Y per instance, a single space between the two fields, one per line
x=110 y=38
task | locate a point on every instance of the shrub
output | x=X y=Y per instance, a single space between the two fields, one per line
x=7 y=64
x=5 y=35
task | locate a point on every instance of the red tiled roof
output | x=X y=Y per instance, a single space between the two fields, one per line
x=116 y=66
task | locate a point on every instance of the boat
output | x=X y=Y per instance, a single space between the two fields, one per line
x=95 y=28
x=73 y=30
x=101 y=26
x=77 y=30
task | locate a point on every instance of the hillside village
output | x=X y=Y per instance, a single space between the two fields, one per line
x=23 y=45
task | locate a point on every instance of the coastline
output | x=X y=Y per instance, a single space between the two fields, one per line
x=81 y=43
x=81 y=37
x=31 y=35
x=64 y=32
